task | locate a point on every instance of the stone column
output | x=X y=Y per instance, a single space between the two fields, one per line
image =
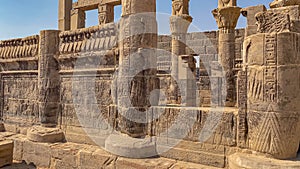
x=273 y=84
x=137 y=73
x=49 y=80
x=136 y=79
x=105 y=13
x=77 y=19
x=64 y=15
x=227 y=17
x=250 y=13
x=179 y=23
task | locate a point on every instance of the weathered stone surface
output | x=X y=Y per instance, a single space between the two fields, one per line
x=6 y=152
x=253 y=161
x=283 y=3
x=277 y=20
x=271 y=83
x=37 y=153
x=45 y=135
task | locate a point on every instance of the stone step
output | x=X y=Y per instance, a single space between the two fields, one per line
x=254 y=161
x=82 y=156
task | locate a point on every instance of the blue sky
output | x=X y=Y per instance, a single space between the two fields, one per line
x=21 y=18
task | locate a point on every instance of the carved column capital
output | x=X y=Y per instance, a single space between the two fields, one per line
x=179 y=24
x=227 y=17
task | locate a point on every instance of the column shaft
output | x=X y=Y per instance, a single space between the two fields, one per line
x=64 y=15
x=49 y=81
x=137 y=65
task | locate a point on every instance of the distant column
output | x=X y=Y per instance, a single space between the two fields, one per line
x=227 y=15
x=64 y=15
x=105 y=13
x=179 y=23
x=77 y=19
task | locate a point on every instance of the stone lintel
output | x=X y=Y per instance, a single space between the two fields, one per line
x=93 y=4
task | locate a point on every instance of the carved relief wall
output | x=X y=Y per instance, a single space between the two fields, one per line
x=19 y=80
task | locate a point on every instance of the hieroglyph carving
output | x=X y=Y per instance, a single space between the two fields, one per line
x=270 y=74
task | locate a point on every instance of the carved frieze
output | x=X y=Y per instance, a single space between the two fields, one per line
x=92 y=39
x=19 y=48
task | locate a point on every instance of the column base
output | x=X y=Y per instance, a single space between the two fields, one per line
x=45 y=135
x=129 y=147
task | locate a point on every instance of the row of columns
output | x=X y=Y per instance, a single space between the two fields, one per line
x=72 y=19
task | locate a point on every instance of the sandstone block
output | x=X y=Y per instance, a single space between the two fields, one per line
x=37 y=153
x=6 y=152
x=130 y=147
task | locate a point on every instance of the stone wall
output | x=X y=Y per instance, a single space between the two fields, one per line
x=71 y=86
x=87 y=63
x=19 y=80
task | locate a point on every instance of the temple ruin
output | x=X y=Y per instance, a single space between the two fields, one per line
x=119 y=95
